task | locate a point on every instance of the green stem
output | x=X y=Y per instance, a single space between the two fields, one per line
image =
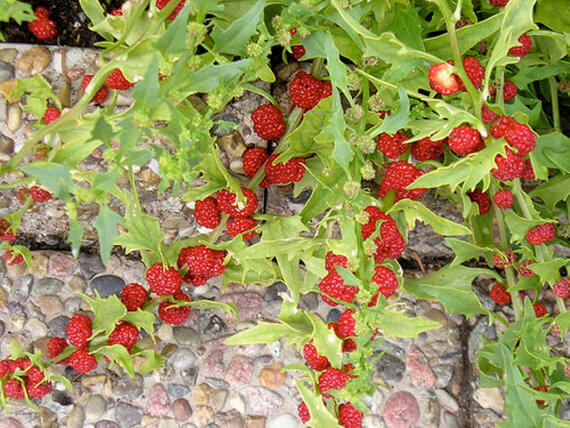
x=554 y=101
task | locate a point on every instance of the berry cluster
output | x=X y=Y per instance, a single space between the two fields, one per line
x=42 y=27
x=21 y=379
x=306 y=90
x=291 y=171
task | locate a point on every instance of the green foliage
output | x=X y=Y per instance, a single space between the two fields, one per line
x=16 y=10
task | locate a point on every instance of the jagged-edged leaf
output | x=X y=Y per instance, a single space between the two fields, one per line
x=106 y=225
x=553 y=191
x=233 y=39
x=396 y=324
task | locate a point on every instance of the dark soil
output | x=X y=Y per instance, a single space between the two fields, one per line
x=72 y=24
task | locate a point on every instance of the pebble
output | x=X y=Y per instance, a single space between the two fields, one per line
x=50 y=305
x=201 y=392
x=77 y=284
x=61 y=265
x=21 y=287
x=106 y=424
x=8 y=55
x=186 y=336
x=189 y=376
x=14 y=119
x=272 y=292
x=490 y=398
x=272 y=376
x=76 y=418
x=446 y=400
x=183 y=358
x=309 y=302
x=202 y=414
x=449 y=420
x=443 y=373
x=333 y=315
x=6 y=71
x=158 y=402
x=6 y=143
x=262 y=401
x=214 y=363
x=481 y=329
x=61 y=397
x=16 y=271
x=165 y=332
x=390 y=368
x=419 y=369
x=92 y=381
x=239 y=369
x=282 y=421
x=178 y=390
x=217 y=130
x=3 y=298
x=248 y=304
x=73 y=304
x=2 y=329
x=129 y=388
x=217 y=383
x=46 y=286
x=39 y=263
x=215 y=325
x=90 y=265
x=15 y=309
x=107 y=285
x=34 y=60
x=95 y=408
x=401 y=410
x=236 y=402
x=36 y=329
x=217 y=399
x=57 y=326
x=127 y=415
x=10 y=423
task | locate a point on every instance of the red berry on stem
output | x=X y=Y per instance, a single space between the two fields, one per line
x=82 y=361
x=539 y=310
x=503 y=199
x=298 y=51
x=475 y=72
x=524 y=48
x=268 y=122
x=392 y=145
x=524 y=269
x=207 y=213
x=253 y=159
x=124 y=334
x=332 y=260
x=508 y=168
x=333 y=286
x=521 y=138
x=314 y=360
x=161 y=4
x=305 y=90
x=332 y=378
x=501 y=125
x=397 y=177
x=101 y=94
x=11 y=260
x=386 y=281
x=51 y=115
x=500 y=295
x=78 y=330
x=117 y=80
x=174 y=316
x=303 y=412
x=163 y=282
x=349 y=416
x=465 y=140
x=541 y=234
x=56 y=346
x=241 y=225
x=134 y=296
x=291 y=171
x=481 y=199
x=228 y=203
x=202 y=263
x=562 y=288
x=39 y=195
x=488 y=115
x=42 y=27
x=427 y=149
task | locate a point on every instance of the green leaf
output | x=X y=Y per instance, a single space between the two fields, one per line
x=326 y=341
x=555 y=14
x=64 y=381
x=54 y=176
x=102 y=131
x=466 y=251
x=233 y=39
x=106 y=225
x=173 y=40
x=263 y=332
x=519 y=226
x=551 y=152
x=153 y=361
x=533 y=73
x=141 y=320
x=405 y=22
x=107 y=312
x=16 y=350
x=396 y=324
x=16 y=10
x=146 y=93
x=209 y=78
x=320 y=414
x=399 y=119
x=39 y=92
x=75 y=236
x=228 y=308
x=118 y=354
x=414 y=210
x=250 y=271
x=549 y=270
x=452 y=287
x=553 y=191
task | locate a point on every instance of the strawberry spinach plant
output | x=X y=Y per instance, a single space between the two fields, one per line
x=395 y=99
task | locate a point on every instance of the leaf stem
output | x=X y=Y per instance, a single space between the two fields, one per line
x=554 y=102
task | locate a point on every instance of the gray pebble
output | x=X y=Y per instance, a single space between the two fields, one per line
x=1 y=328
x=127 y=415
x=215 y=325
x=178 y=390
x=106 y=424
x=73 y=304
x=185 y=335
x=272 y=292
x=7 y=71
x=57 y=326
x=90 y=265
x=46 y=286
x=183 y=358
x=76 y=418
x=107 y=285
x=14 y=309
x=21 y=287
x=390 y=368
x=189 y=376
x=333 y=315
x=95 y=408
x=129 y=388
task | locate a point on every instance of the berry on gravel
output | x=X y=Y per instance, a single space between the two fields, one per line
x=303 y=412
x=524 y=48
x=228 y=203
x=241 y=225
x=481 y=199
x=161 y=4
x=298 y=51
x=82 y=361
x=133 y=296
x=427 y=149
x=306 y=90
x=117 y=80
x=521 y=138
x=164 y=282
x=488 y=115
x=207 y=213
x=253 y=159
x=6 y=233
x=562 y=288
x=349 y=416
x=386 y=281
x=101 y=94
x=56 y=346
x=508 y=168
x=539 y=310
x=540 y=234
x=124 y=334
x=392 y=145
x=13 y=389
x=291 y=171
x=524 y=270
x=465 y=140
x=42 y=27
x=202 y=263
x=174 y=316
x=332 y=260
x=397 y=177
x=268 y=122
x=501 y=125
x=78 y=330
x=500 y=295
x=333 y=285
x=503 y=199
x=508 y=258
x=39 y=195
x=332 y=378
x=314 y=360
x=442 y=80
x=475 y=72
x=10 y=259
x=51 y=115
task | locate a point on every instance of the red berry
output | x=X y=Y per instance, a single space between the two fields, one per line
x=101 y=94
x=268 y=122
x=508 y=258
x=498 y=3
x=303 y=412
x=500 y=295
x=326 y=89
x=383 y=113
x=124 y=334
x=488 y=115
x=374 y=214
x=427 y=149
x=253 y=159
x=527 y=173
x=509 y=90
x=392 y=145
x=41 y=12
x=346 y=324
x=164 y=282
x=13 y=389
x=332 y=378
x=305 y=90
x=82 y=361
x=539 y=310
x=386 y=281
x=314 y=360
x=540 y=234
x=241 y=225
x=133 y=296
x=161 y=4
x=442 y=80
x=78 y=330
x=465 y=140
x=481 y=199
x=6 y=233
x=503 y=199
x=56 y=346
x=12 y=260
x=116 y=80
x=23 y=194
x=293 y=31
x=202 y=263
x=332 y=260
x=37 y=390
x=349 y=345
x=35 y=374
x=227 y=202
x=501 y=125
x=390 y=244
x=524 y=270
x=117 y=12
x=562 y=288
x=39 y=195
x=349 y=416
x=291 y=171
x=51 y=115
x=475 y=72
x=521 y=138
x=298 y=51
x=207 y=213
x=398 y=176
x=508 y=168
x=333 y=286
x=174 y=316
x=42 y=27
x=524 y=48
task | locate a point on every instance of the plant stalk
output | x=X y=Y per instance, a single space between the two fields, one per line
x=554 y=102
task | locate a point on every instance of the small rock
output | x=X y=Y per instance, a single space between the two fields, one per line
x=262 y=401
x=10 y=423
x=186 y=335
x=481 y=329
x=61 y=265
x=39 y=264
x=34 y=60
x=282 y=421
x=419 y=369
x=181 y=410
x=217 y=383
x=77 y=284
x=239 y=369
x=333 y=315
x=129 y=388
x=2 y=329
x=14 y=118
x=401 y=410
x=390 y=368
x=73 y=304
x=183 y=358
x=57 y=326
x=107 y=285
x=16 y=271
x=214 y=363
x=309 y=302
x=189 y=376
x=236 y=165
x=215 y=325
x=232 y=143
x=158 y=402
x=21 y=287
x=248 y=304
x=178 y=390
x=490 y=398
x=36 y=328
x=46 y=286
x=165 y=332
x=255 y=422
x=272 y=292
x=220 y=129
x=95 y=408
x=106 y=424
x=217 y=399
x=90 y=265
x=50 y=305
x=202 y=414
x=449 y=420
x=236 y=402
x=8 y=55
x=127 y=415
x=201 y=393
x=93 y=381
x=3 y=298
x=443 y=372
x=6 y=70
x=287 y=70
x=76 y=418
x=446 y=400
x=272 y=376
x=61 y=397
x=6 y=145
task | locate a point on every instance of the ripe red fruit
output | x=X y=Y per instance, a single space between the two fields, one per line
x=524 y=48
x=503 y=199
x=82 y=361
x=42 y=27
x=163 y=282
x=297 y=51
x=174 y=316
x=508 y=168
x=333 y=286
x=37 y=390
x=227 y=202
x=12 y=260
x=78 y=330
x=241 y=225
x=268 y=122
x=509 y=90
x=498 y=3
x=383 y=113
x=528 y=172
x=427 y=149
x=117 y=80
x=332 y=378
x=314 y=360
x=51 y=115
x=540 y=234
x=124 y=334
x=332 y=260
x=56 y=346
x=13 y=389
x=390 y=244
x=562 y=288
x=6 y=233
x=202 y=263
x=488 y=115
x=161 y=4
x=349 y=416
x=41 y=12
x=397 y=177
x=508 y=258
x=291 y=171
x=501 y=125
x=539 y=310
x=101 y=94
x=207 y=213
x=306 y=90
x=524 y=270
x=39 y=195
x=386 y=281
x=481 y=199
x=392 y=145
x=253 y=159
x=133 y=296
x=521 y=138
x=475 y=72
x=117 y=12
x=303 y=412
x=35 y=374
x=500 y=295
x=23 y=194
x=442 y=80
x=346 y=324
x=465 y=140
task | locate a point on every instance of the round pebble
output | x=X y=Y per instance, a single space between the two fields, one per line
x=57 y=326
x=76 y=418
x=181 y=410
x=95 y=408
x=186 y=335
x=107 y=285
x=282 y=421
x=401 y=410
x=178 y=390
